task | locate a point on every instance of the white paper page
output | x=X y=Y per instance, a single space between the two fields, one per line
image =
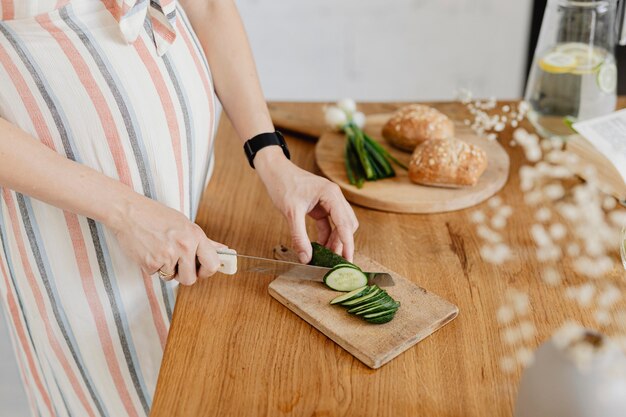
x=608 y=135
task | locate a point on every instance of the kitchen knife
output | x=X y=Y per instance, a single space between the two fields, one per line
x=232 y=262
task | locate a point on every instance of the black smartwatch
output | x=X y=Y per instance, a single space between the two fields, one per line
x=254 y=145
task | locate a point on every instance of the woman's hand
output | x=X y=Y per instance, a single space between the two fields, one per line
x=160 y=238
x=296 y=193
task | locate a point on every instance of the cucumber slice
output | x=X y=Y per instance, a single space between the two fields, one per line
x=326 y=258
x=379 y=314
x=359 y=292
x=367 y=300
x=370 y=303
x=379 y=308
x=381 y=295
x=382 y=319
x=345 y=279
x=360 y=300
x=345 y=265
x=380 y=298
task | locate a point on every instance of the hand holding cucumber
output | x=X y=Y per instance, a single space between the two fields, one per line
x=298 y=193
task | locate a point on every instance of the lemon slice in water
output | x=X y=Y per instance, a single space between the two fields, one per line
x=607 y=78
x=557 y=62
x=588 y=58
x=574 y=58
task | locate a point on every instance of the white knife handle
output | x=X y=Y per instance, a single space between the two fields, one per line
x=228 y=261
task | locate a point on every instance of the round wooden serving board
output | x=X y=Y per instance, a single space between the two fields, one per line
x=399 y=194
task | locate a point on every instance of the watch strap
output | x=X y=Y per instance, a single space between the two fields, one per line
x=260 y=141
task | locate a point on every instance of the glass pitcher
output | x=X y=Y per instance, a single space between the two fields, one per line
x=573 y=74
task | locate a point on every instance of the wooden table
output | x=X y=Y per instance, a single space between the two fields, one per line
x=234 y=351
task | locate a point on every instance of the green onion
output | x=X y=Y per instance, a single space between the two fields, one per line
x=365 y=159
x=355 y=164
x=383 y=151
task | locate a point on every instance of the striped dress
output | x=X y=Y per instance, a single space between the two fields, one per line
x=123 y=87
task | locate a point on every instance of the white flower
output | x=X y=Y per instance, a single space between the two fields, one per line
x=358 y=119
x=524 y=356
x=609 y=296
x=495 y=202
x=505 y=315
x=464 y=95
x=543 y=214
x=602 y=317
x=551 y=276
x=557 y=231
x=539 y=235
x=583 y=294
x=335 y=117
x=507 y=364
x=505 y=211
x=478 y=217
x=498 y=222
x=527 y=329
x=347 y=105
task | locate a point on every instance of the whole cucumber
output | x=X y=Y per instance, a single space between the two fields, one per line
x=323 y=256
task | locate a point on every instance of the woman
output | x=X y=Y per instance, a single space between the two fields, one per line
x=107 y=114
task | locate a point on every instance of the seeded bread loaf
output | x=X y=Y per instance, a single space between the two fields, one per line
x=447 y=163
x=416 y=123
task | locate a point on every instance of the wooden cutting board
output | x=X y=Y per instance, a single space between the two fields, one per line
x=421 y=313
x=399 y=194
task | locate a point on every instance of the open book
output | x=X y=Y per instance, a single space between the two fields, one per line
x=601 y=142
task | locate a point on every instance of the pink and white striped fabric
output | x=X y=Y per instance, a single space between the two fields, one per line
x=122 y=87
x=132 y=13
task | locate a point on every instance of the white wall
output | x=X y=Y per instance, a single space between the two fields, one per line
x=388 y=49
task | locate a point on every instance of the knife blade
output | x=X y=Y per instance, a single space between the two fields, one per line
x=233 y=262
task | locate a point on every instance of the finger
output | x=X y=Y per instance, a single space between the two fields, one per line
x=338 y=248
x=345 y=226
x=351 y=221
x=347 y=240
x=167 y=272
x=334 y=243
x=207 y=258
x=217 y=245
x=299 y=237
x=187 y=270
x=341 y=241
x=322 y=222
x=323 y=230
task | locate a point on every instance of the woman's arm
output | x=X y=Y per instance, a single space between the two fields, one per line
x=154 y=235
x=295 y=192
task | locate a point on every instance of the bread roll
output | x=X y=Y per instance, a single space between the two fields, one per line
x=447 y=163
x=415 y=124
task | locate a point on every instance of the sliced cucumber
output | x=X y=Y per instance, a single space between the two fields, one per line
x=345 y=278
x=379 y=307
x=359 y=292
x=326 y=258
x=372 y=293
x=378 y=297
x=345 y=265
x=382 y=319
x=370 y=303
x=380 y=314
